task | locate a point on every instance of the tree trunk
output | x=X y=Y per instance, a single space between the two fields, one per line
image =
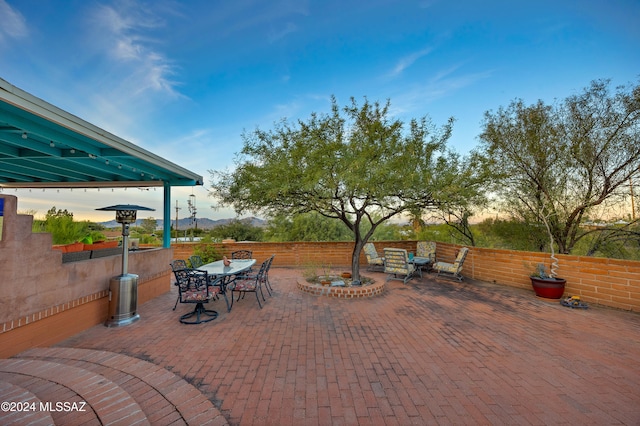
x=355 y=260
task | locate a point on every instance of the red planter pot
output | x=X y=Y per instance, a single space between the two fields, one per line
x=549 y=288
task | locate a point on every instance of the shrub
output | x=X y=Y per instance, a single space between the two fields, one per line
x=207 y=252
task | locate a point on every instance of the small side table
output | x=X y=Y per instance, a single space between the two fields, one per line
x=421 y=262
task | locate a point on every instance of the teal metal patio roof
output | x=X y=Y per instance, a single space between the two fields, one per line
x=42 y=146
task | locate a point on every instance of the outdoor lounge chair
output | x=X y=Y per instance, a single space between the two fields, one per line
x=425 y=255
x=426 y=249
x=452 y=269
x=375 y=262
x=396 y=264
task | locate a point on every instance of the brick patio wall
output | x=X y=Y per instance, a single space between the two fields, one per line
x=603 y=281
x=296 y=254
x=608 y=282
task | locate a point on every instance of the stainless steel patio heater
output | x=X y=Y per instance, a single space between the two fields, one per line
x=123 y=289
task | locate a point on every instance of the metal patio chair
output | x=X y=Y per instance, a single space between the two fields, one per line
x=374 y=262
x=177 y=265
x=396 y=264
x=194 y=287
x=196 y=261
x=453 y=269
x=251 y=283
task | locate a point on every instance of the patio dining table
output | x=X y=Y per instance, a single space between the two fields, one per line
x=237 y=266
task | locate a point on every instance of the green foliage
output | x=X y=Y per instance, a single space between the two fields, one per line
x=440 y=232
x=238 y=230
x=150 y=239
x=621 y=241
x=54 y=213
x=206 y=238
x=149 y=225
x=310 y=271
x=393 y=232
x=464 y=192
x=61 y=226
x=306 y=227
x=556 y=163
x=64 y=230
x=514 y=235
x=355 y=165
x=207 y=252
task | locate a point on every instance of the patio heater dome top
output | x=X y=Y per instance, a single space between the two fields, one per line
x=125 y=207
x=125 y=213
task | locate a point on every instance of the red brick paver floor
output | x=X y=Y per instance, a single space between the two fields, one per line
x=431 y=352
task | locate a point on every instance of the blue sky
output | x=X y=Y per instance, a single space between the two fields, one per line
x=184 y=79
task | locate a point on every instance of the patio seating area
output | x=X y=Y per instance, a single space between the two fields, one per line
x=432 y=351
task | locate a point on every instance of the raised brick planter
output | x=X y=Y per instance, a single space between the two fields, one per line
x=356 y=292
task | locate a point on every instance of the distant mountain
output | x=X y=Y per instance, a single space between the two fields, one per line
x=186 y=223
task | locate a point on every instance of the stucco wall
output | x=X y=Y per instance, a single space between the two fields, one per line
x=34 y=279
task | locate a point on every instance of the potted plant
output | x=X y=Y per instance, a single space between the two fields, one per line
x=548 y=286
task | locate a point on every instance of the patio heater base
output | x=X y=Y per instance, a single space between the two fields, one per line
x=123 y=300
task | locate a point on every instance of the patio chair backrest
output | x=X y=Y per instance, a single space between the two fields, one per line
x=193 y=285
x=396 y=261
x=196 y=261
x=242 y=254
x=462 y=255
x=426 y=249
x=178 y=264
x=370 y=252
x=269 y=262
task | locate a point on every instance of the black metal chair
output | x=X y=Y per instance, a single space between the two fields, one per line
x=177 y=265
x=242 y=254
x=196 y=261
x=244 y=284
x=267 y=283
x=194 y=287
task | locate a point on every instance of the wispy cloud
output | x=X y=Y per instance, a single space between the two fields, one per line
x=271 y=21
x=13 y=24
x=280 y=33
x=408 y=60
x=441 y=85
x=126 y=29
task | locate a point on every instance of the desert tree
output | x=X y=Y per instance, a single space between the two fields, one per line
x=464 y=195
x=563 y=160
x=355 y=164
